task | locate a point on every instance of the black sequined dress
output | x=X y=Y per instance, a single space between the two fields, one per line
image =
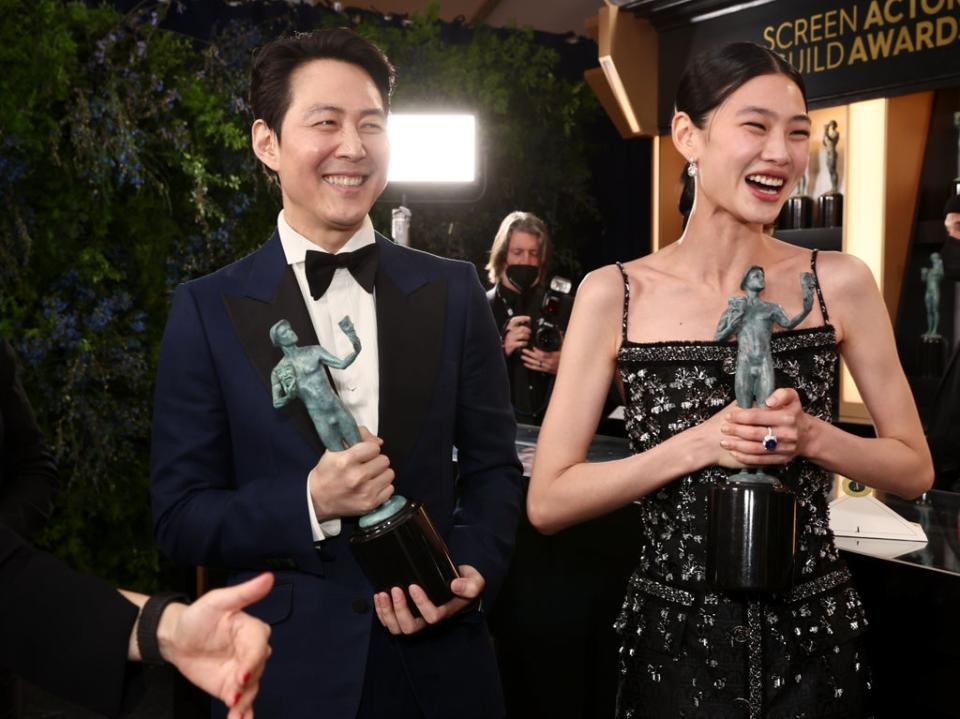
x=686 y=650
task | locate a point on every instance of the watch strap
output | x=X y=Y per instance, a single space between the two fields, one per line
x=148 y=623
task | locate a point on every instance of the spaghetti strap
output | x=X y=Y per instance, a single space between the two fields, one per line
x=626 y=298
x=816 y=285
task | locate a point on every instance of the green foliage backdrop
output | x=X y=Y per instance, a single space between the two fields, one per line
x=124 y=170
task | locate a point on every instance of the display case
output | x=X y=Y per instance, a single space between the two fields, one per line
x=926 y=359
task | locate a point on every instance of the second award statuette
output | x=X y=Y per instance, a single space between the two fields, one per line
x=831 y=202
x=752 y=517
x=396 y=544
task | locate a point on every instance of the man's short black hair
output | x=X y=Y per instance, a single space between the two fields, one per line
x=276 y=61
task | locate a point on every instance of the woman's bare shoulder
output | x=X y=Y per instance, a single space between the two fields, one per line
x=606 y=285
x=602 y=286
x=844 y=275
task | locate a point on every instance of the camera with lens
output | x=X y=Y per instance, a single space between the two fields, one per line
x=554 y=315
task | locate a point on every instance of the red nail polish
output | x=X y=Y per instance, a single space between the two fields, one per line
x=246 y=677
x=236 y=698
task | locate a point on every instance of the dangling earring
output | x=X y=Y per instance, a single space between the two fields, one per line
x=692 y=168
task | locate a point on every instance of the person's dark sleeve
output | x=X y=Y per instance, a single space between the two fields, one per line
x=28 y=477
x=943 y=426
x=63 y=631
x=500 y=317
x=486 y=517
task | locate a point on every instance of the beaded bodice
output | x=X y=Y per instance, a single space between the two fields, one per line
x=671 y=386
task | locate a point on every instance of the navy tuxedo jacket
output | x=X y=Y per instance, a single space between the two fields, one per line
x=229 y=471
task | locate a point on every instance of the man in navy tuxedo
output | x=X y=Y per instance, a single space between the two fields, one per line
x=239 y=484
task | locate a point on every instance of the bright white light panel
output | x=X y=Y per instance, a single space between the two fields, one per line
x=432 y=148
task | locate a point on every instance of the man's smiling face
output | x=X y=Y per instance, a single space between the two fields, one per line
x=333 y=152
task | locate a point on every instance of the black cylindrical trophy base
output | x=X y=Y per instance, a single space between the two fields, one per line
x=751 y=536
x=403 y=550
x=797 y=213
x=831 y=209
x=933 y=353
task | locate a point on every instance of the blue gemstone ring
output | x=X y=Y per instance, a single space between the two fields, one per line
x=770 y=440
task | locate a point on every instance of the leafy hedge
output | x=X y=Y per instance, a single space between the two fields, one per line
x=125 y=169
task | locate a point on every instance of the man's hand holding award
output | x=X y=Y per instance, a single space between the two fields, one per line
x=395 y=543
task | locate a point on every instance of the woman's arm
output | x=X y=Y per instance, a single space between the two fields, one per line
x=898 y=459
x=564 y=488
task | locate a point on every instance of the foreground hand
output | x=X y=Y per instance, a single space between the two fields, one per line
x=217 y=646
x=745 y=429
x=540 y=361
x=517 y=334
x=394 y=613
x=353 y=481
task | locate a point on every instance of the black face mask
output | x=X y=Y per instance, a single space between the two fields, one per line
x=522 y=276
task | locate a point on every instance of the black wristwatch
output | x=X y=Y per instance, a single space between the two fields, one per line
x=149 y=621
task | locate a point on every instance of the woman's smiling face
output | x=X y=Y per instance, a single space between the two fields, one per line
x=753 y=149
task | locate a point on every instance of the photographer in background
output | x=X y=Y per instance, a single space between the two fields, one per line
x=530 y=314
x=552 y=621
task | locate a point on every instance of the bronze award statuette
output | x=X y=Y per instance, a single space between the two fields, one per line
x=932 y=345
x=396 y=544
x=831 y=202
x=752 y=517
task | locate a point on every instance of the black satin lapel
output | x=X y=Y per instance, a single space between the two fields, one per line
x=252 y=320
x=410 y=337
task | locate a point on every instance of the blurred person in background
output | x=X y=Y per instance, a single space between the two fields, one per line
x=553 y=621
x=517 y=270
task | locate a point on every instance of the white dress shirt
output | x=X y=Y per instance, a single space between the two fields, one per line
x=358 y=384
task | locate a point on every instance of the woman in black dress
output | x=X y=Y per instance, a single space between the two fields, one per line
x=687 y=649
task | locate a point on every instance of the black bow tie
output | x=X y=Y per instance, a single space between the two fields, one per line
x=320 y=267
